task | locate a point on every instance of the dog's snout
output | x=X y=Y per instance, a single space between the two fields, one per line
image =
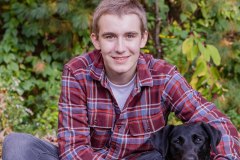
x=190 y=157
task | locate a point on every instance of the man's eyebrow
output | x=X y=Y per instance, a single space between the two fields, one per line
x=107 y=33
x=132 y=32
x=112 y=33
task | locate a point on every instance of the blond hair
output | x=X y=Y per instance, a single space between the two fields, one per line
x=119 y=7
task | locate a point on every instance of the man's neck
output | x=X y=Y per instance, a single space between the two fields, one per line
x=120 y=79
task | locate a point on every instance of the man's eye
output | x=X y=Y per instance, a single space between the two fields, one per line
x=129 y=36
x=109 y=37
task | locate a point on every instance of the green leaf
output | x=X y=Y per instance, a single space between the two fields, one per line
x=214 y=73
x=6 y=47
x=31 y=29
x=183 y=17
x=13 y=66
x=213 y=52
x=194 y=82
x=203 y=80
x=193 y=7
x=201 y=68
x=28 y=85
x=204 y=52
x=57 y=65
x=193 y=52
x=40 y=12
x=46 y=56
x=9 y=57
x=80 y=21
x=62 y=8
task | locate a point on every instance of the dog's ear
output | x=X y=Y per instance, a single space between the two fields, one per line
x=160 y=140
x=214 y=135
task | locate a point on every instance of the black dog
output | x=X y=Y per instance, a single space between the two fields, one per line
x=184 y=142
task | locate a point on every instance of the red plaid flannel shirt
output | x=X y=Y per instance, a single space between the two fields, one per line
x=91 y=125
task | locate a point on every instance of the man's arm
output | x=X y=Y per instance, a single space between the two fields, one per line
x=73 y=129
x=190 y=106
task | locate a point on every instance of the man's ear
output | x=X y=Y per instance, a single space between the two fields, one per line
x=144 y=39
x=95 y=41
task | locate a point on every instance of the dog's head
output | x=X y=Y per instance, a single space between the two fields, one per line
x=186 y=142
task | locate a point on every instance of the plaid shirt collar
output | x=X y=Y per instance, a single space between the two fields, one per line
x=144 y=77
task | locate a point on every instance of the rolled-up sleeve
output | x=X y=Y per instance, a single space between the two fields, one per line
x=73 y=129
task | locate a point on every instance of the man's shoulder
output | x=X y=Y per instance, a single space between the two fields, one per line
x=82 y=61
x=159 y=66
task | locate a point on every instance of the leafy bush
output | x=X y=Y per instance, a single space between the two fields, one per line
x=230 y=102
x=190 y=33
x=37 y=38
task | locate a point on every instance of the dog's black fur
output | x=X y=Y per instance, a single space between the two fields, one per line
x=184 y=142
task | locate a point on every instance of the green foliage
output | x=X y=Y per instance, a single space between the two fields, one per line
x=36 y=39
x=206 y=76
x=196 y=29
x=200 y=37
x=230 y=102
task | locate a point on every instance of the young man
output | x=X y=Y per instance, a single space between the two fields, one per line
x=114 y=97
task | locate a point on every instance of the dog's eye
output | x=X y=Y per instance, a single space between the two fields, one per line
x=197 y=139
x=177 y=141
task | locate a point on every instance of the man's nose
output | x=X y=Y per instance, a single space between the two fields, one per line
x=120 y=46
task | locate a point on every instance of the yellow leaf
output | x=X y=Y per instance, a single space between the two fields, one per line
x=187 y=45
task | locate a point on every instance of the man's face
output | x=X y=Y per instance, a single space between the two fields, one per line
x=119 y=40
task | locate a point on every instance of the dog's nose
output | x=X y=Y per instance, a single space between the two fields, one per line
x=190 y=157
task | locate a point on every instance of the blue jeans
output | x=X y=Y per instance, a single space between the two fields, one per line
x=20 y=146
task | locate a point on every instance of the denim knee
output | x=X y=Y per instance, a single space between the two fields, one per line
x=16 y=146
x=20 y=146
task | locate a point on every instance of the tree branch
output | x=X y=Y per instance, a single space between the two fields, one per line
x=158 y=21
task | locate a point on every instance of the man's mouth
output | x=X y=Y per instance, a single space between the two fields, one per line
x=121 y=59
